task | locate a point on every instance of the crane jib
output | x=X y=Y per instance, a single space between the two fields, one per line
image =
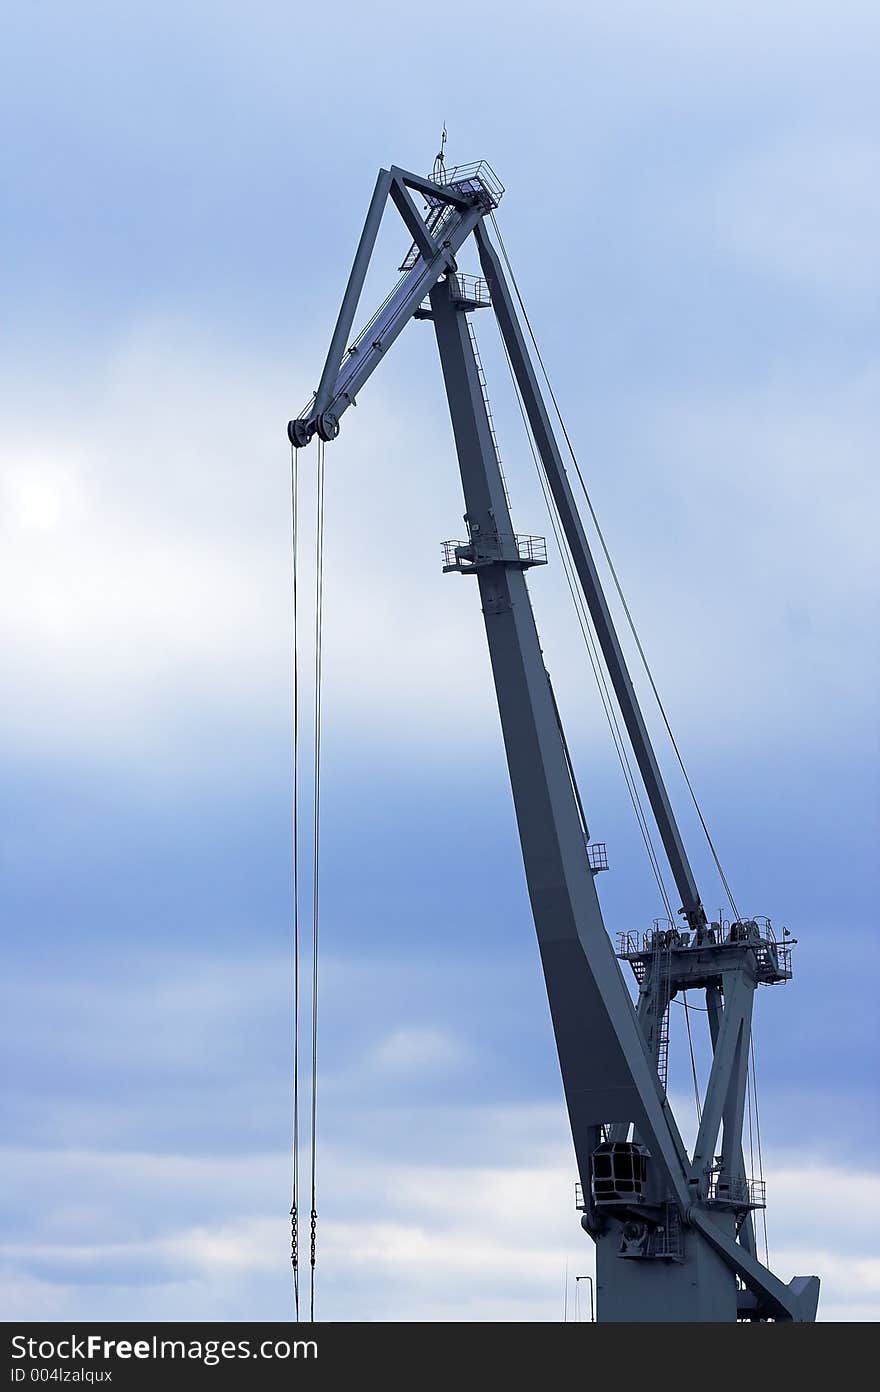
x=674 y=1231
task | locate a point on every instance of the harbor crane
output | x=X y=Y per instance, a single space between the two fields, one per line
x=673 y=1227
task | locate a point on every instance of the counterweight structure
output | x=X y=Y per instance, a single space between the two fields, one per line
x=673 y=1230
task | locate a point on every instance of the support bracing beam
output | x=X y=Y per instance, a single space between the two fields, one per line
x=353 y=289
x=429 y=188
x=415 y=224
x=715 y=1010
x=726 y=1091
x=796 y=1301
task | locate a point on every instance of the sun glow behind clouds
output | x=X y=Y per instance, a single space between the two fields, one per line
x=35 y=498
x=150 y=572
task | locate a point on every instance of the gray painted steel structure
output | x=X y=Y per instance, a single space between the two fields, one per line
x=674 y=1232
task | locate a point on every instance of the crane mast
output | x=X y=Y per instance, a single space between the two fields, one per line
x=673 y=1230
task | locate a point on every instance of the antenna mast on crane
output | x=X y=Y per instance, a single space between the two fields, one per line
x=673 y=1229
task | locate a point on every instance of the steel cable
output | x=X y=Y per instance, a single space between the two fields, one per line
x=613 y=571
x=315 y=877
x=592 y=653
x=294 y=1207
x=316 y=880
x=595 y=659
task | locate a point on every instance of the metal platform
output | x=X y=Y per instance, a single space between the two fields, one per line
x=736 y=1192
x=702 y=958
x=467 y=292
x=509 y=548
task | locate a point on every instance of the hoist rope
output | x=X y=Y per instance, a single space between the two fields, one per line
x=612 y=568
x=595 y=664
x=294 y=1206
x=319 y=647
x=296 y=1198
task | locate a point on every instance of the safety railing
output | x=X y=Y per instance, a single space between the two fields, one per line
x=737 y=1190
x=476 y=177
x=469 y=289
x=529 y=550
x=774 y=956
x=768 y=951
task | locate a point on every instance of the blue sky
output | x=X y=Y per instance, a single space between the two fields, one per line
x=692 y=208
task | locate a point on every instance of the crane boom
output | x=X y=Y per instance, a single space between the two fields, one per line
x=681 y=1222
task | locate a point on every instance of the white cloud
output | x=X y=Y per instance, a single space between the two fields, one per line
x=145 y=564
x=148 y=558
x=414 y=1051
x=428 y=1209
x=148 y=554
x=411 y=1241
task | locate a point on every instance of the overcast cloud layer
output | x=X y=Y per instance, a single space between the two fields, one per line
x=692 y=211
